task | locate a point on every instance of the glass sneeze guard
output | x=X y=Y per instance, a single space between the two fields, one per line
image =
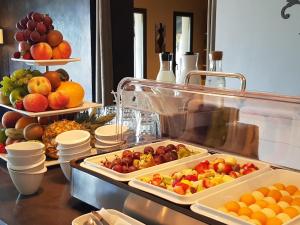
x=256 y=125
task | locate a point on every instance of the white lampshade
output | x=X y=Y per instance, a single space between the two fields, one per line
x=1 y=36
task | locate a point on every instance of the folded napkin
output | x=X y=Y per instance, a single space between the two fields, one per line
x=112 y=219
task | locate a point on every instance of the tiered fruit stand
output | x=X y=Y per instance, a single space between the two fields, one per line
x=85 y=105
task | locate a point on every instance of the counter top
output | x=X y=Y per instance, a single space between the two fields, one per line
x=52 y=205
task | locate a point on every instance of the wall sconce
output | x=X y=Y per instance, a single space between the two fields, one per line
x=1 y=36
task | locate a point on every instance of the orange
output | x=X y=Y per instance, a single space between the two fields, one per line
x=279 y=186
x=247 y=198
x=261 y=217
x=276 y=208
x=275 y=194
x=296 y=201
x=297 y=193
x=245 y=211
x=262 y=203
x=292 y=212
x=263 y=190
x=74 y=90
x=291 y=189
x=287 y=199
x=232 y=206
x=274 y=221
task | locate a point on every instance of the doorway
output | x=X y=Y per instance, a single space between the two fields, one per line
x=140 y=43
x=182 y=36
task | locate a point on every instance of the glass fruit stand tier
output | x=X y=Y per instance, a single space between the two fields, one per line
x=53 y=62
x=233 y=127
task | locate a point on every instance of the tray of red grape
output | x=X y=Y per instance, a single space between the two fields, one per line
x=186 y=182
x=124 y=165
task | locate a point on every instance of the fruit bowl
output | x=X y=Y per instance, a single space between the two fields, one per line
x=50 y=62
x=206 y=187
x=97 y=164
x=214 y=205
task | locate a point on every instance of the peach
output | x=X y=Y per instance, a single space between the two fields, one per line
x=62 y=51
x=54 y=38
x=35 y=102
x=58 y=100
x=54 y=78
x=10 y=118
x=40 y=85
x=41 y=51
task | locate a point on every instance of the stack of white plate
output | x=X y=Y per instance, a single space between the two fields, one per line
x=26 y=165
x=72 y=144
x=110 y=137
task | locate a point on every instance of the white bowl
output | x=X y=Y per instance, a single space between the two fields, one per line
x=25 y=148
x=66 y=158
x=109 y=132
x=25 y=160
x=83 y=145
x=30 y=168
x=72 y=138
x=66 y=168
x=75 y=151
x=27 y=183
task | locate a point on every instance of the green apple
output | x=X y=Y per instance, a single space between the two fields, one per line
x=17 y=95
x=4 y=99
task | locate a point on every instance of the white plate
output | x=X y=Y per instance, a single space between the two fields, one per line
x=109 y=132
x=84 y=106
x=72 y=138
x=50 y=62
x=208 y=205
x=93 y=163
x=101 y=142
x=190 y=199
x=81 y=219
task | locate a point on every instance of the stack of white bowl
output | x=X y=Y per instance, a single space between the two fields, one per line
x=71 y=145
x=26 y=165
x=110 y=137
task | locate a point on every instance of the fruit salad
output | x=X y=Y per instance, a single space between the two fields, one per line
x=131 y=161
x=273 y=205
x=204 y=175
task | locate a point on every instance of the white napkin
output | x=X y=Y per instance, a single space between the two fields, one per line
x=112 y=219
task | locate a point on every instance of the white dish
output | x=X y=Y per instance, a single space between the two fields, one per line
x=66 y=158
x=104 y=145
x=111 y=142
x=76 y=151
x=82 y=219
x=25 y=148
x=83 y=145
x=190 y=199
x=110 y=132
x=86 y=105
x=50 y=62
x=66 y=169
x=94 y=163
x=27 y=183
x=72 y=138
x=207 y=205
x=30 y=168
x=26 y=160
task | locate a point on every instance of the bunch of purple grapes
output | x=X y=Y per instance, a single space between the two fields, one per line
x=34 y=28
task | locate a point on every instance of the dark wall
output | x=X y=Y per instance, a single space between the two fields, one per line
x=122 y=39
x=71 y=17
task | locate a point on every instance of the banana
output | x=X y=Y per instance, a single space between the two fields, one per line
x=14 y=133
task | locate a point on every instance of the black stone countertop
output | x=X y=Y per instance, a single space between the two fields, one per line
x=51 y=205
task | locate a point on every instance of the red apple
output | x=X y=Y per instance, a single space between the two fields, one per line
x=62 y=51
x=40 y=85
x=35 y=103
x=42 y=51
x=58 y=100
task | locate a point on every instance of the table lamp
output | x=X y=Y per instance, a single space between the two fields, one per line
x=1 y=36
